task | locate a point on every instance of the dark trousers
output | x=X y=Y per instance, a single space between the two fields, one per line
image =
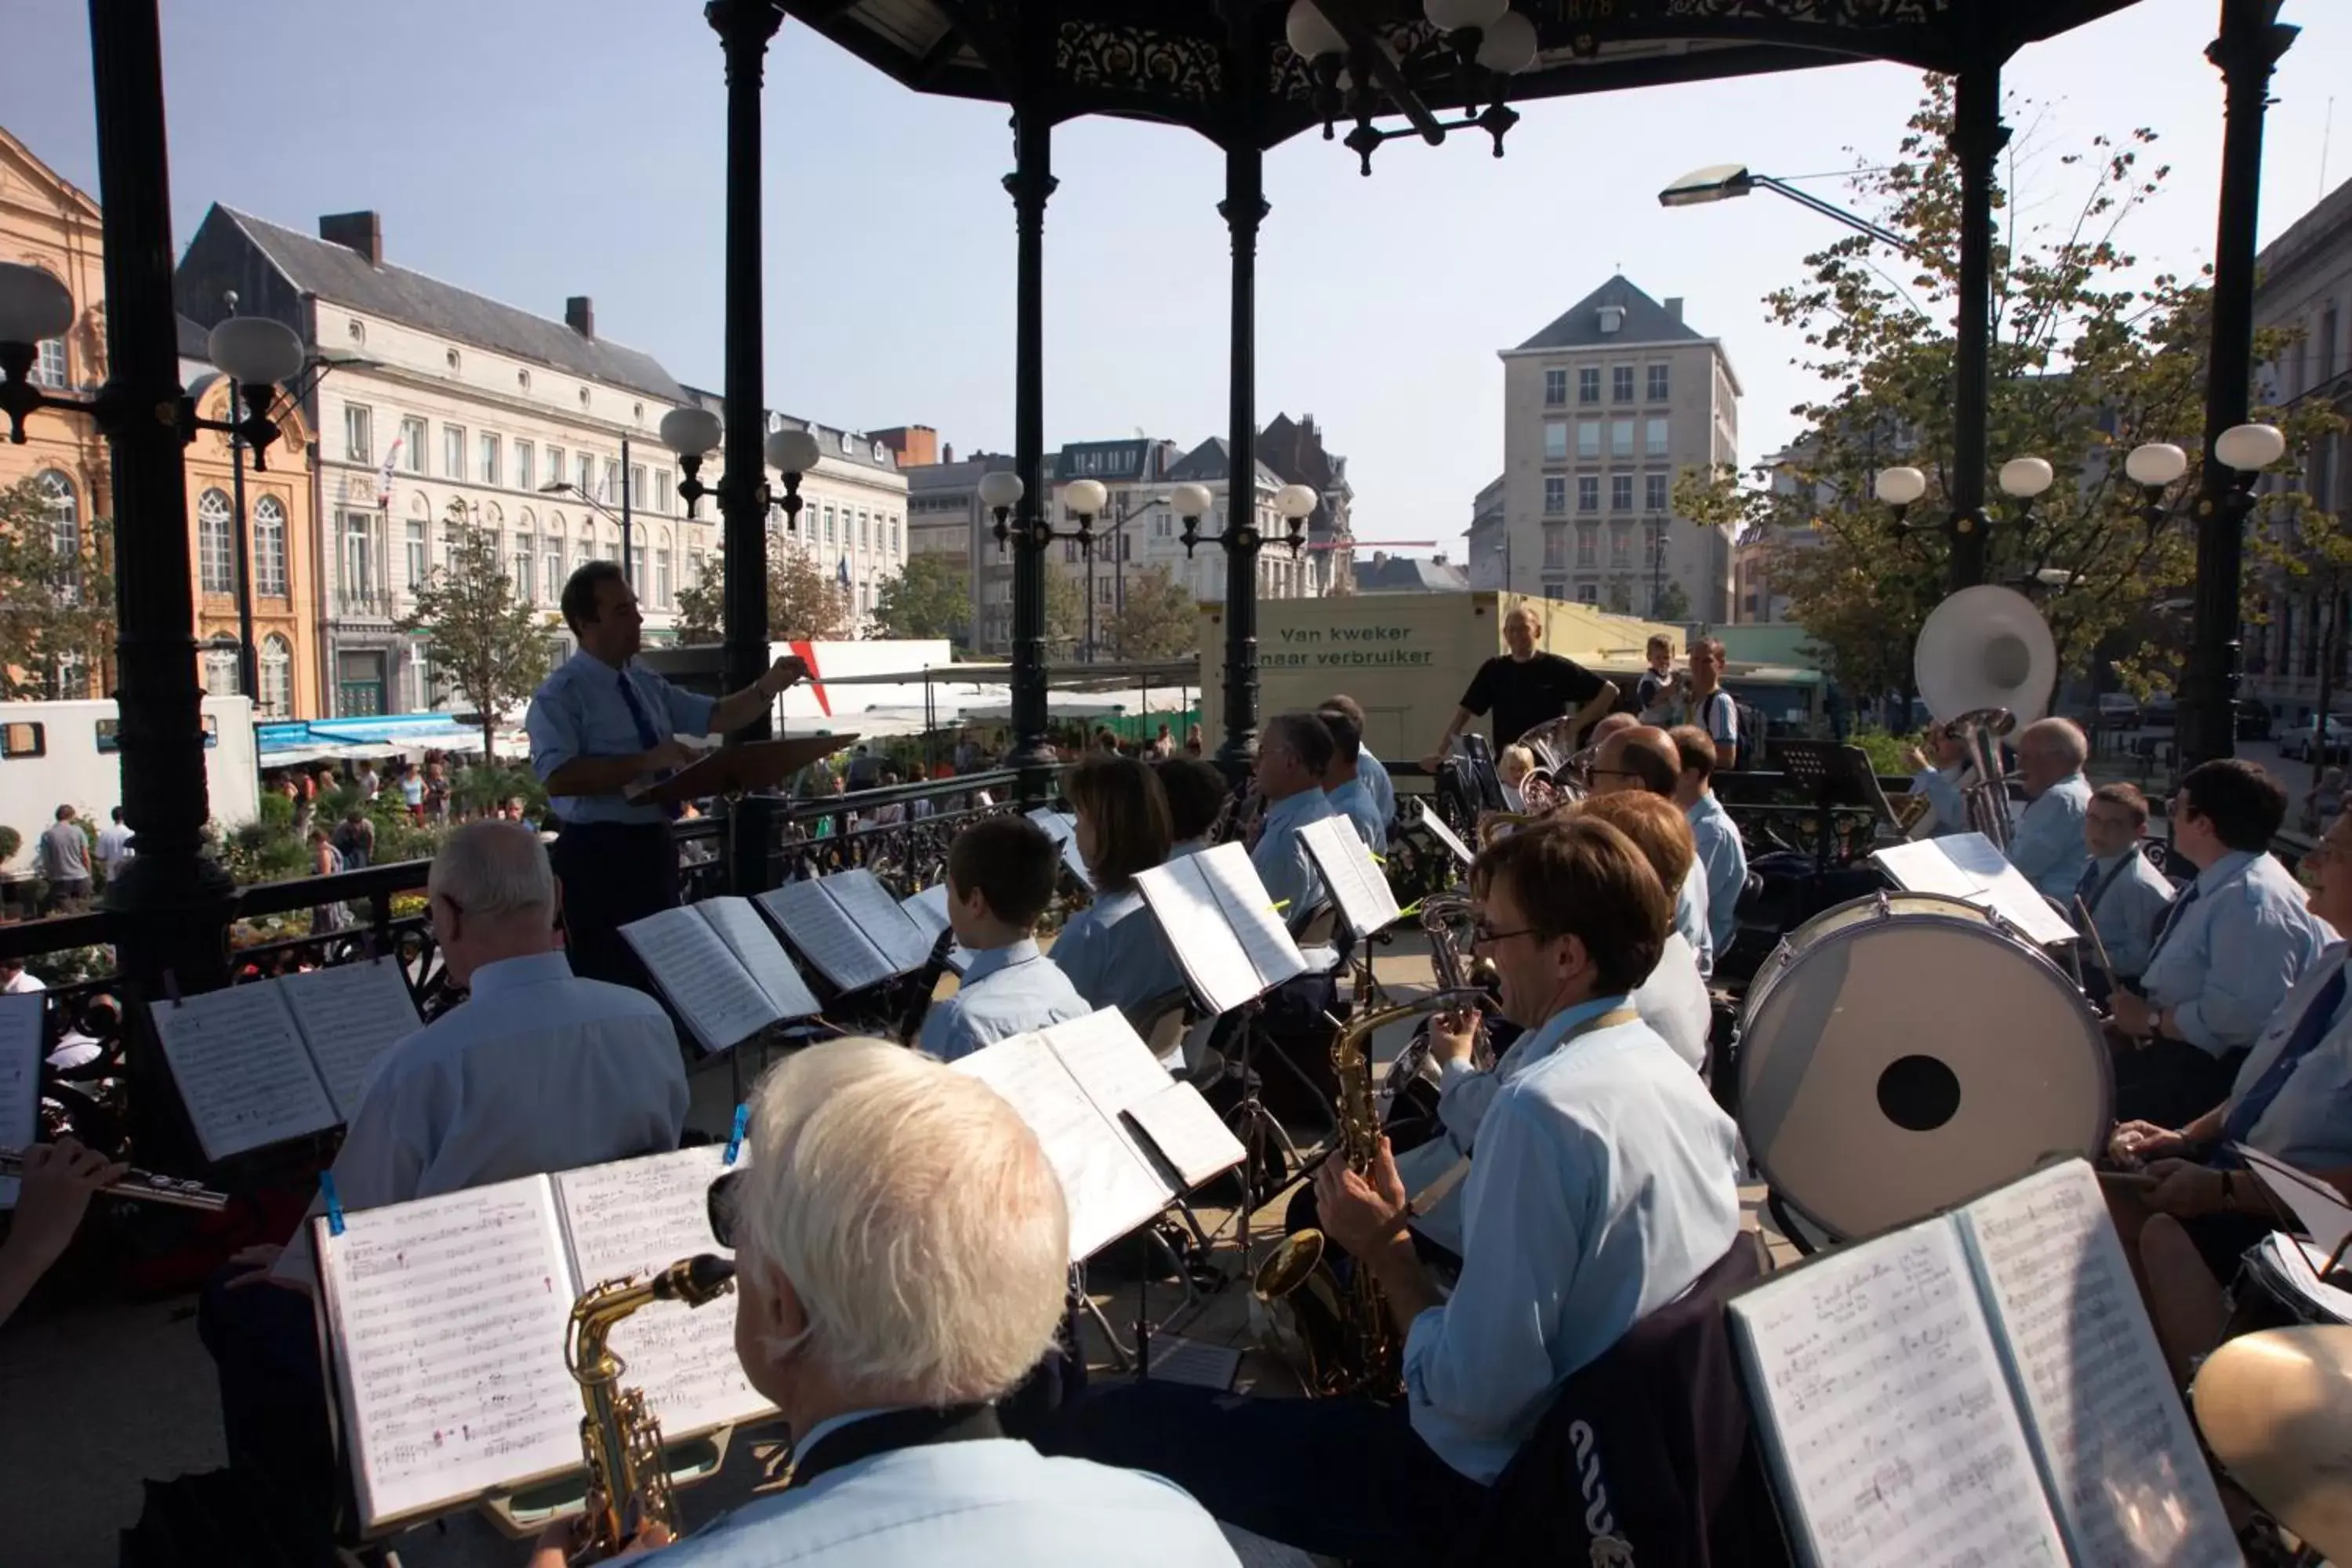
x=265 y=1346
x=2171 y=1081
x=612 y=873
x=1344 y=1478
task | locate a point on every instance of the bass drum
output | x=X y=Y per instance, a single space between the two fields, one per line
x=1902 y=1054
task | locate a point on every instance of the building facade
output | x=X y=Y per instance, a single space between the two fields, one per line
x=1602 y=410
x=441 y=410
x=1490 y=539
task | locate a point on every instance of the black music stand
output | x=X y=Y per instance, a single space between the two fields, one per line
x=1835 y=775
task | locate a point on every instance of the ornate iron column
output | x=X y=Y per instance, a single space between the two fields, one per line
x=1978 y=137
x=744 y=27
x=2250 y=42
x=1244 y=209
x=1031 y=184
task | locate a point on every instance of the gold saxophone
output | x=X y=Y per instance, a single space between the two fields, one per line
x=628 y=1475
x=1337 y=1331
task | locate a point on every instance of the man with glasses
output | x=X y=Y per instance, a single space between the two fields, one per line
x=1604 y=1186
x=2124 y=895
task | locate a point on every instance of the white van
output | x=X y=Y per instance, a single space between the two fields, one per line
x=69 y=754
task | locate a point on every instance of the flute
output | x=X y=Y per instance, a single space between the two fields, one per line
x=145 y=1186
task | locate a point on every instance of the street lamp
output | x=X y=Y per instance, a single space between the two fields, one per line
x=1086 y=498
x=2023 y=480
x=1295 y=503
x=1722 y=182
x=692 y=434
x=2245 y=449
x=1472 y=47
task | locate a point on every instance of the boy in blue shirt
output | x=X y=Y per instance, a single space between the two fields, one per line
x=1000 y=874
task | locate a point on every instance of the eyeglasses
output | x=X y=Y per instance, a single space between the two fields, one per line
x=1483 y=935
x=720 y=1205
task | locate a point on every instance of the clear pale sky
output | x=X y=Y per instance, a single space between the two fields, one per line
x=531 y=149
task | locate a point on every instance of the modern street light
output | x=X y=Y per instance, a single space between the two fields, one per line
x=1722 y=182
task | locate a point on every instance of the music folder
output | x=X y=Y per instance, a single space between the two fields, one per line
x=745 y=767
x=849 y=927
x=20 y=1078
x=1221 y=923
x=1062 y=827
x=929 y=910
x=1437 y=829
x=721 y=970
x=1357 y=883
x=1981 y=1386
x=1967 y=865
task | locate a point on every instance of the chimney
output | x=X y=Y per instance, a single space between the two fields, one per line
x=1674 y=309
x=947 y=452
x=360 y=232
x=580 y=315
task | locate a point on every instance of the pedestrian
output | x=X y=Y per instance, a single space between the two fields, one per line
x=411 y=792
x=113 y=846
x=325 y=861
x=356 y=840
x=63 y=861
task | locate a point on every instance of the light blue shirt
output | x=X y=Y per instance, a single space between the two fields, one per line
x=1004 y=991
x=1691 y=917
x=2046 y=846
x=1723 y=858
x=1605 y=1184
x=1115 y=955
x=1281 y=858
x=2309 y=1124
x=2132 y=897
x=1373 y=774
x=2232 y=956
x=1354 y=802
x=1948 y=812
x=579 y=712
x=994 y=1501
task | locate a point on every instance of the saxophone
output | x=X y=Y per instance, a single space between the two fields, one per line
x=628 y=1475
x=1440 y=913
x=1337 y=1330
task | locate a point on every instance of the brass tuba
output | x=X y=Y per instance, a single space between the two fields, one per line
x=1337 y=1330
x=628 y=1475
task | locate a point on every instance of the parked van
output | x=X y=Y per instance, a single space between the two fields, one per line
x=69 y=753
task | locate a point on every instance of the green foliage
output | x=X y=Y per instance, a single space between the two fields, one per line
x=931 y=597
x=1160 y=620
x=55 y=606
x=1065 y=611
x=475 y=631
x=479 y=792
x=1886 y=752
x=1671 y=603
x=804 y=601
x=703 y=604
x=1617 y=595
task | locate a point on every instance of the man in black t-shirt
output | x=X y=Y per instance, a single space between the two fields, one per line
x=1525 y=688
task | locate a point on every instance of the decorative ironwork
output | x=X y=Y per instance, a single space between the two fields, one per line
x=1147 y=61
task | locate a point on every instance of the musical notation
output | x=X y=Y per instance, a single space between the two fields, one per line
x=2123 y=1461
x=20 y=1078
x=244 y=1071
x=711 y=990
x=1362 y=893
x=1114 y=1069
x=1107 y=1184
x=763 y=958
x=806 y=914
x=449 y=1315
x=1221 y=924
x=351 y=1016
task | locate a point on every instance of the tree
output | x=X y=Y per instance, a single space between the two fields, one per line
x=1158 y=621
x=2089 y=358
x=703 y=604
x=931 y=597
x=57 y=606
x=1617 y=595
x=1065 y=610
x=804 y=603
x=1670 y=603
x=493 y=645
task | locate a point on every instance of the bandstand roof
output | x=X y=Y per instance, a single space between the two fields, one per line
x=1165 y=60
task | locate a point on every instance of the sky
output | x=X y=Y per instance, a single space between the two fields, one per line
x=534 y=149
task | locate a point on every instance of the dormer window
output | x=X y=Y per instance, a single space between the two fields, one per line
x=1613 y=317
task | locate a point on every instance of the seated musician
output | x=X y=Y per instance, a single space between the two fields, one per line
x=1343 y=783
x=1113 y=951
x=1369 y=768
x=539 y=1070
x=1000 y=874
x=1294 y=753
x=902 y=1250
x=1640 y=757
x=2292 y=1100
x=1939 y=772
x=2125 y=893
x=2227 y=951
x=2046 y=844
x=1604 y=1186
x=56 y=1184
x=1722 y=854
x=1197 y=794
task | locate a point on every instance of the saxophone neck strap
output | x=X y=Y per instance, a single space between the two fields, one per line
x=890 y=1431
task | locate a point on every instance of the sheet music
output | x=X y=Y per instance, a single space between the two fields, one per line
x=352 y=1015
x=1207 y=948
x=447 y=1318
x=1107 y=1183
x=868 y=904
x=2293 y=1267
x=242 y=1071
x=763 y=958
x=814 y=923
x=2319 y=1212
x=1062 y=827
x=1249 y=910
x=1443 y=834
x=1883 y=1402
x=701 y=976
x=1183 y=1126
x=2122 y=1459
x=1356 y=882
x=1175 y=1359
x=929 y=910
x=20 y=1078
x=634 y=1216
x=1967 y=865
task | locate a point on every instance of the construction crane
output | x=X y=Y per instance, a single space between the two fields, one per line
x=1373 y=544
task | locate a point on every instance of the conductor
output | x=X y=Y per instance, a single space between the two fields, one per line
x=599 y=724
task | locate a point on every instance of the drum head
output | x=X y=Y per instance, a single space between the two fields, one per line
x=1894 y=1064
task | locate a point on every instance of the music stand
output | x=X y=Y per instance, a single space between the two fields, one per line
x=1835 y=775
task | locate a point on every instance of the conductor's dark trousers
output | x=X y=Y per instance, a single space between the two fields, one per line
x=612 y=873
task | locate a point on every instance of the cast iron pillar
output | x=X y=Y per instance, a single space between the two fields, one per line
x=1978 y=137
x=2250 y=42
x=1031 y=184
x=744 y=27
x=1244 y=209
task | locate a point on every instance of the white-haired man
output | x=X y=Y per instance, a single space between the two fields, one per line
x=2047 y=843
x=901 y=1253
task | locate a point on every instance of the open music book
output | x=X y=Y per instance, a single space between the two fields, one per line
x=1443 y=834
x=722 y=968
x=1982 y=1386
x=1220 y=920
x=850 y=927
x=446 y=1322
x=929 y=910
x=1124 y=1137
x=272 y=1059
x=1358 y=885
x=1967 y=866
x=1062 y=827
x=20 y=1078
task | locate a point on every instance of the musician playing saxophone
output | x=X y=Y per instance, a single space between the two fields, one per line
x=1000 y=874
x=1604 y=1187
x=2047 y=845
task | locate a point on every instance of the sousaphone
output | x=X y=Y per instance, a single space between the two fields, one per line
x=1986 y=647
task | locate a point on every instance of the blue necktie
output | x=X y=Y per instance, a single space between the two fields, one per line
x=2087 y=890
x=648 y=736
x=2308 y=1032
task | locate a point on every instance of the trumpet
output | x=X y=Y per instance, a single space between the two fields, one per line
x=145 y=1186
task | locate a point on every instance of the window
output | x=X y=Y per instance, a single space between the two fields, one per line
x=216 y=550
x=1555 y=441
x=863 y=540
x=420 y=559
x=1555 y=549
x=636 y=566
x=525 y=579
x=1587 y=441
x=1587 y=384
x=828 y=525
x=1653 y=493
x=522 y=456
x=1069 y=552
x=277 y=695
x=1587 y=593
x=894 y=536
x=555 y=465
x=65 y=529
x=582 y=552
x=489 y=458
x=220 y=672
x=1658 y=383
x=453 y=451
x=1588 y=544
x=2328 y=343
x=584 y=474
x=638 y=484
x=358 y=447
x=1653 y=437
x=49 y=370
x=1555 y=494
x=661 y=489
x=612 y=491
x=554 y=546
x=360 y=584
x=1621 y=383
x=661 y=577
x=270 y=547
x=1555 y=388
x=1621 y=492
x=412 y=445
x=1587 y=492
x=1621 y=545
